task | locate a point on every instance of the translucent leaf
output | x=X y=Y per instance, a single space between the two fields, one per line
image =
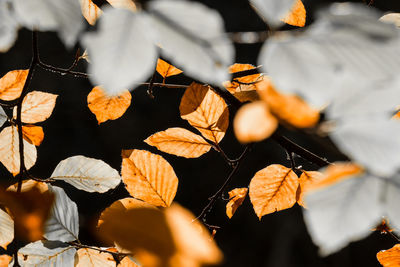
x=90 y=11
x=127 y=4
x=63 y=223
x=192 y=36
x=33 y=134
x=390 y=257
x=165 y=69
x=3 y=116
x=6 y=260
x=236 y=198
x=127 y=262
x=63 y=16
x=273 y=11
x=273 y=189
x=306 y=181
x=149 y=177
x=86 y=257
x=121 y=51
x=12 y=83
x=91 y=175
x=393 y=18
x=8 y=26
x=297 y=15
x=180 y=142
x=6 y=229
x=45 y=253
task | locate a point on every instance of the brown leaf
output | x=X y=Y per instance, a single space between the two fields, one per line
x=253 y=122
x=12 y=83
x=297 y=16
x=236 y=197
x=273 y=189
x=36 y=107
x=180 y=142
x=90 y=11
x=149 y=177
x=206 y=111
x=108 y=107
x=86 y=257
x=165 y=69
x=390 y=257
x=33 y=134
x=307 y=179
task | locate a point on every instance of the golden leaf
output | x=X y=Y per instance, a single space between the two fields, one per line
x=36 y=107
x=297 y=16
x=90 y=11
x=5 y=260
x=306 y=180
x=149 y=177
x=273 y=189
x=165 y=69
x=86 y=257
x=206 y=111
x=33 y=134
x=108 y=107
x=390 y=257
x=127 y=262
x=6 y=229
x=126 y=4
x=253 y=122
x=180 y=142
x=236 y=197
x=12 y=83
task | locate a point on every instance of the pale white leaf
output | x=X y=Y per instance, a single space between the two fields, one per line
x=391 y=194
x=8 y=26
x=91 y=175
x=192 y=36
x=273 y=11
x=393 y=18
x=6 y=229
x=3 y=116
x=63 y=222
x=45 y=253
x=122 y=52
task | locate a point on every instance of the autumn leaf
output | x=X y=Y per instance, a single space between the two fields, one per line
x=125 y=4
x=33 y=134
x=6 y=230
x=87 y=257
x=206 y=111
x=9 y=150
x=273 y=189
x=36 y=107
x=390 y=257
x=236 y=198
x=297 y=16
x=5 y=260
x=306 y=180
x=393 y=18
x=180 y=142
x=165 y=69
x=127 y=262
x=108 y=107
x=90 y=11
x=12 y=83
x=149 y=177
x=254 y=122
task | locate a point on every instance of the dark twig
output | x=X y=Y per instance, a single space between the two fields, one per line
x=118 y=255
x=62 y=71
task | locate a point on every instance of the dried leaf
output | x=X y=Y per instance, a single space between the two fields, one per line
x=108 y=107
x=36 y=107
x=86 y=257
x=273 y=189
x=5 y=260
x=297 y=16
x=393 y=18
x=6 y=229
x=9 y=150
x=236 y=198
x=12 y=83
x=306 y=181
x=390 y=257
x=206 y=111
x=165 y=69
x=33 y=134
x=90 y=11
x=180 y=142
x=149 y=177
x=253 y=122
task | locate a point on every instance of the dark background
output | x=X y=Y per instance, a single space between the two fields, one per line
x=279 y=239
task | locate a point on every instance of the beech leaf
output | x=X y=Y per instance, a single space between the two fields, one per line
x=5 y=260
x=306 y=181
x=297 y=15
x=90 y=11
x=165 y=69
x=8 y=26
x=3 y=116
x=12 y=83
x=33 y=134
x=236 y=198
x=273 y=11
x=393 y=18
x=126 y=4
x=36 y=107
x=6 y=229
x=390 y=257
x=87 y=257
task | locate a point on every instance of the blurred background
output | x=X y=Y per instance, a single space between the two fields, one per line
x=279 y=239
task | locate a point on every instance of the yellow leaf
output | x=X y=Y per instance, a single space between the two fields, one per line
x=253 y=122
x=149 y=177
x=12 y=83
x=90 y=11
x=165 y=69
x=236 y=197
x=306 y=180
x=126 y=4
x=297 y=16
x=108 y=107
x=273 y=189
x=180 y=142
x=9 y=150
x=390 y=257
x=5 y=260
x=86 y=257
x=206 y=111
x=6 y=229
x=36 y=107
x=33 y=134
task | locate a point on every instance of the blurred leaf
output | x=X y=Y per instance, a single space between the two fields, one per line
x=5 y=260
x=306 y=181
x=8 y=26
x=12 y=83
x=393 y=18
x=236 y=198
x=3 y=116
x=86 y=257
x=297 y=16
x=390 y=257
x=272 y=11
x=90 y=11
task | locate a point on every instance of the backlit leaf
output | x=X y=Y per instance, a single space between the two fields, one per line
x=390 y=257
x=108 y=107
x=9 y=150
x=5 y=260
x=36 y=107
x=6 y=229
x=254 y=122
x=12 y=83
x=391 y=18
x=90 y=11
x=91 y=175
x=273 y=189
x=127 y=262
x=180 y=142
x=86 y=257
x=236 y=198
x=8 y=26
x=272 y=11
x=297 y=16
x=165 y=69
x=206 y=111
x=149 y=177
x=306 y=180
x=33 y=134
x=127 y=4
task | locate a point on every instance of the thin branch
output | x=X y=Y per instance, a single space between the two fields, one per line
x=63 y=71
x=119 y=255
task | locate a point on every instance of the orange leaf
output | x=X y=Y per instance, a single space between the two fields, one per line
x=86 y=257
x=297 y=16
x=253 y=122
x=126 y=4
x=5 y=260
x=90 y=11
x=236 y=197
x=127 y=262
x=307 y=179
x=33 y=134
x=165 y=69
x=273 y=189
x=108 y=107
x=180 y=142
x=390 y=257
x=36 y=107
x=12 y=83
x=149 y=177
x=206 y=111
